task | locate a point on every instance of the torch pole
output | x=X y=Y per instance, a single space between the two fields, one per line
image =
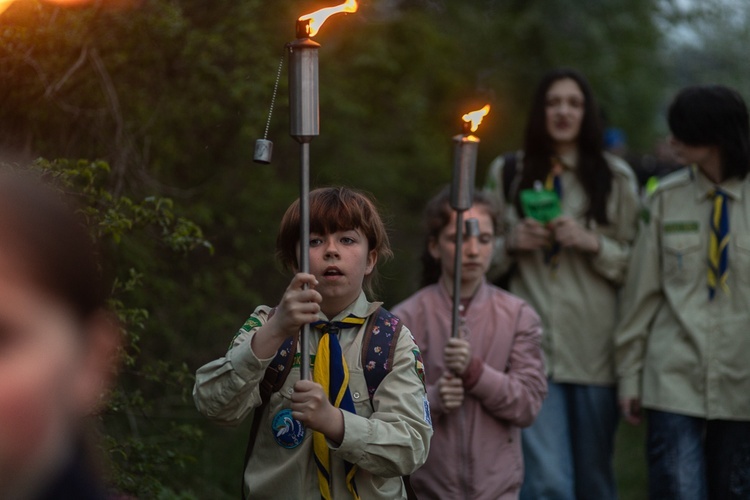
x=304 y=125
x=457 y=272
x=465 y=147
x=304 y=249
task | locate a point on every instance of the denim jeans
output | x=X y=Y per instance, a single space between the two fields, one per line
x=694 y=458
x=568 y=449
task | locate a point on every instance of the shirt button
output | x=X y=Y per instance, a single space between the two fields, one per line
x=356 y=395
x=290 y=390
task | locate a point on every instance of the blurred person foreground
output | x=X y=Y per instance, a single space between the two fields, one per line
x=58 y=345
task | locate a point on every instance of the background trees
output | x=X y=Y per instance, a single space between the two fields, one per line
x=173 y=93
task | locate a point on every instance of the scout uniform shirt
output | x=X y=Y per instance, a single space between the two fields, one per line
x=577 y=301
x=677 y=350
x=386 y=443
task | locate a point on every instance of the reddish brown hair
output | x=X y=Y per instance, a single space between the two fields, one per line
x=331 y=210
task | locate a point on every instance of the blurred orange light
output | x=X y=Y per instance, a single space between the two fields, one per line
x=4 y=4
x=475 y=117
x=318 y=17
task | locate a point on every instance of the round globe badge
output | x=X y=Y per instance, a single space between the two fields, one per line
x=287 y=431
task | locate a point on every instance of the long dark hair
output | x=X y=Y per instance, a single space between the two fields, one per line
x=593 y=171
x=437 y=215
x=714 y=115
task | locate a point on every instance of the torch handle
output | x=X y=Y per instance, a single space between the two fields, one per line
x=457 y=272
x=304 y=249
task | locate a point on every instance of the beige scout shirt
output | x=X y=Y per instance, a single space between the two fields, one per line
x=578 y=303
x=677 y=350
x=386 y=443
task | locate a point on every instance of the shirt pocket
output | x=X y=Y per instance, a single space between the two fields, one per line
x=360 y=396
x=739 y=260
x=682 y=257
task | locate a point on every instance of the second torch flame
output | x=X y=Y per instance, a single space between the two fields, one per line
x=318 y=17
x=475 y=117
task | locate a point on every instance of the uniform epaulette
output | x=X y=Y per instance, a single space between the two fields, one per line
x=675 y=179
x=619 y=166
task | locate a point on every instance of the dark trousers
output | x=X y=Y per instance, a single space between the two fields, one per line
x=691 y=458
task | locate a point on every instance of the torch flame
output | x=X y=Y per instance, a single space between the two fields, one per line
x=318 y=17
x=4 y=4
x=475 y=117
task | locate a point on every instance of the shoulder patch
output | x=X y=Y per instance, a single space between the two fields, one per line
x=251 y=323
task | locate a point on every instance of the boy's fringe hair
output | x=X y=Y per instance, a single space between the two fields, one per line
x=335 y=209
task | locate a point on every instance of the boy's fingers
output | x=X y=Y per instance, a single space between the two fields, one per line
x=301 y=279
x=305 y=385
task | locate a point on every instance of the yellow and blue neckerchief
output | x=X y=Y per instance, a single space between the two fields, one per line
x=331 y=372
x=718 y=244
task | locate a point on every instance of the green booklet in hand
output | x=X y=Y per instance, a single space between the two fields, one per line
x=540 y=204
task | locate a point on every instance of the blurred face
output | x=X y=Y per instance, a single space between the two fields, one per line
x=564 y=111
x=340 y=261
x=689 y=155
x=46 y=382
x=477 y=250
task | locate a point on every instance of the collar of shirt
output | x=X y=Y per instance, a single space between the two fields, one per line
x=704 y=186
x=569 y=160
x=362 y=308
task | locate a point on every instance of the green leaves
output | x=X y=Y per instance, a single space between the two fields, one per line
x=140 y=457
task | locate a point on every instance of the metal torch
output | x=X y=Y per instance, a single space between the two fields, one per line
x=304 y=125
x=465 y=148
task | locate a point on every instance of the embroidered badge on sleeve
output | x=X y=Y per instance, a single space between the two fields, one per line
x=249 y=325
x=427 y=415
x=419 y=366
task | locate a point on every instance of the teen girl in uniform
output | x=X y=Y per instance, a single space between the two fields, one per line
x=569 y=269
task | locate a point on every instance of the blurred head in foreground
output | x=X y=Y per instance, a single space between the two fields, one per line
x=58 y=345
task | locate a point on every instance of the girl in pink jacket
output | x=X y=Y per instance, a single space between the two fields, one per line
x=484 y=386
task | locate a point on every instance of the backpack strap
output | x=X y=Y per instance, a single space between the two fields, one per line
x=273 y=379
x=378 y=348
x=511 y=180
x=510 y=171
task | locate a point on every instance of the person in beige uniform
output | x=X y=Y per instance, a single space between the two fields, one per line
x=569 y=270
x=387 y=435
x=683 y=345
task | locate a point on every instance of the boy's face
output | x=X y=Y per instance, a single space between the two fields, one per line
x=688 y=155
x=340 y=261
